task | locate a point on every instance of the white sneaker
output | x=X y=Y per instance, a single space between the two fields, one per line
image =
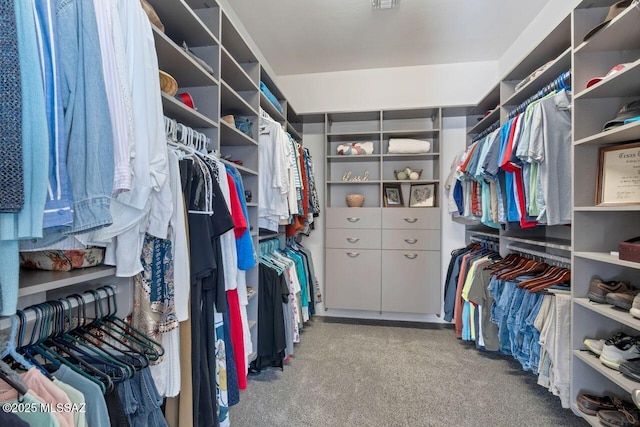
x=594 y=346
x=615 y=352
x=635 y=307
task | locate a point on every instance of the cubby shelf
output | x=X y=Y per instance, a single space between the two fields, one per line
x=612 y=375
x=418 y=133
x=293 y=132
x=546 y=242
x=175 y=61
x=230 y=136
x=557 y=67
x=609 y=311
x=243 y=170
x=622 y=33
x=271 y=109
x=421 y=156
x=357 y=158
x=624 y=133
x=183 y=24
x=621 y=208
x=495 y=234
x=622 y=84
x=485 y=123
x=38 y=281
x=354 y=182
x=591 y=419
x=231 y=101
x=233 y=73
x=184 y=114
x=606 y=257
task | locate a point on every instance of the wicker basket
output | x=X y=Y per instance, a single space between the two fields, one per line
x=418 y=171
x=355 y=200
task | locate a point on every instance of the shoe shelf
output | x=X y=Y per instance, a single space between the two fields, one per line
x=609 y=311
x=622 y=33
x=184 y=114
x=608 y=258
x=624 y=133
x=622 y=84
x=611 y=374
x=230 y=136
x=547 y=242
x=629 y=208
x=591 y=419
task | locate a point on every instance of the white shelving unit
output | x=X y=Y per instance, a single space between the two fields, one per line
x=373 y=264
x=597 y=230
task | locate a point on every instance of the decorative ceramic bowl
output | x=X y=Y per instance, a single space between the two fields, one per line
x=355 y=200
x=413 y=175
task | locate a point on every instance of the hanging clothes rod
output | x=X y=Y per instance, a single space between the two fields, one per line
x=495 y=125
x=545 y=255
x=87 y=300
x=561 y=82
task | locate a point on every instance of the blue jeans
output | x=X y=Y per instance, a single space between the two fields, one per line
x=502 y=314
x=141 y=400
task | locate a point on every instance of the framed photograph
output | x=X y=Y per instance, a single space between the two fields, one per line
x=619 y=175
x=422 y=196
x=392 y=195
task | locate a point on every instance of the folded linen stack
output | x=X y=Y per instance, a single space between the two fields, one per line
x=408 y=146
x=355 y=148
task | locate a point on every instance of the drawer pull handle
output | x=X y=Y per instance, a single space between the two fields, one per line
x=353 y=239
x=411 y=256
x=411 y=241
x=353 y=219
x=411 y=220
x=353 y=254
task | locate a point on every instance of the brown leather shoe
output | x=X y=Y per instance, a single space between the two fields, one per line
x=622 y=300
x=621 y=417
x=590 y=404
x=598 y=289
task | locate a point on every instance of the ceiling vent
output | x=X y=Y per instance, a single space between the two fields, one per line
x=385 y=4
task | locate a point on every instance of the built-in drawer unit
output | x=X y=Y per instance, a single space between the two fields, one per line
x=353 y=238
x=417 y=240
x=411 y=218
x=353 y=218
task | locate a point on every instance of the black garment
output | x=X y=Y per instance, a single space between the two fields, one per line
x=207 y=285
x=271 y=336
x=117 y=416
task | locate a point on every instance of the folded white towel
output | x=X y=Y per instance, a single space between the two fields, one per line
x=408 y=146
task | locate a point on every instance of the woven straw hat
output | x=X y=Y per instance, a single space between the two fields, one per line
x=168 y=84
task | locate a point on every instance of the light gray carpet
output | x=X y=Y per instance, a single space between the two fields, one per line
x=360 y=375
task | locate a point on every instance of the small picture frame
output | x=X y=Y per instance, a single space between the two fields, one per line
x=392 y=195
x=618 y=181
x=422 y=196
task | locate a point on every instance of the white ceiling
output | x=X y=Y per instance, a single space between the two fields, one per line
x=309 y=36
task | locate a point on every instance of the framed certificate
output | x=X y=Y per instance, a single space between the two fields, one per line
x=619 y=175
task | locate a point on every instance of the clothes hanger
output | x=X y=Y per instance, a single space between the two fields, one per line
x=122 y=339
x=10 y=351
x=73 y=352
x=153 y=349
x=95 y=344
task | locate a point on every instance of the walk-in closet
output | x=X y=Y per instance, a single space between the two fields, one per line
x=401 y=213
